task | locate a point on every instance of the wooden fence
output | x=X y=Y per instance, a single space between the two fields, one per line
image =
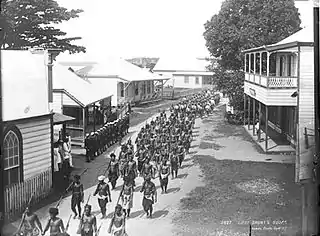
x=18 y=195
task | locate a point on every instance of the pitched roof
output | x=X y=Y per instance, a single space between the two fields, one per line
x=177 y=64
x=82 y=91
x=108 y=66
x=59 y=118
x=302 y=37
x=24 y=85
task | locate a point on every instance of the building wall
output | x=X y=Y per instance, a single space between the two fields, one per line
x=36 y=136
x=306 y=112
x=270 y=97
x=178 y=81
x=57 y=104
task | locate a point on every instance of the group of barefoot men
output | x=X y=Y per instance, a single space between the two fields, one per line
x=160 y=149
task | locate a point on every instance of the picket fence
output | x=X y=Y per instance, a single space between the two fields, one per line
x=17 y=196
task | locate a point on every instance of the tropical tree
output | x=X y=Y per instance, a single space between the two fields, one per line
x=32 y=23
x=243 y=24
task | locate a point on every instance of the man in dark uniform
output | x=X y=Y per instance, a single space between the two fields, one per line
x=103 y=192
x=87 y=147
x=149 y=196
x=174 y=164
x=77 y=196
x=132 y=169
x=113 y=174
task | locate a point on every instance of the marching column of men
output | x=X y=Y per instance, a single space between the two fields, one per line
x=161 y=146
x=99 y=141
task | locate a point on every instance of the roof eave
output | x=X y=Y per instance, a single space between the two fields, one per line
x=271 y=48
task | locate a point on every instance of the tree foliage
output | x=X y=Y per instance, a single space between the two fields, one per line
x=30 y=23
x=243 y=24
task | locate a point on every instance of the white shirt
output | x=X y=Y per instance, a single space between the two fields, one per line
x=57 y=159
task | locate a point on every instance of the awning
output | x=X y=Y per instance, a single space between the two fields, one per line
x=59 y=118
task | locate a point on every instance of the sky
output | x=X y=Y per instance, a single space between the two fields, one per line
x=147 y=28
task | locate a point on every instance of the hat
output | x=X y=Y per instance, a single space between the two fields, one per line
x=101 y=178
x=112 y=155
x=53 y=211
x=87 y=135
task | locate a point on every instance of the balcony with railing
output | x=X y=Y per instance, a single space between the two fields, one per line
x=272 y=81
x=276 y=70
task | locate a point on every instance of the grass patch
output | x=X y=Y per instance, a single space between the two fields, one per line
x=242 y=191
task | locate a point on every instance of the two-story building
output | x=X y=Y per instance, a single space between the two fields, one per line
x=279 y=92
x=187 y=73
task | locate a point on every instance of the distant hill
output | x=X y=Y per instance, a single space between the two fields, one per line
x=144 y=62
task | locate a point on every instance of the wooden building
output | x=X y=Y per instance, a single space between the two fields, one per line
x=79 y=98
x=279 y=84
x=188 y=73
x=128 y=83
x=27 y=140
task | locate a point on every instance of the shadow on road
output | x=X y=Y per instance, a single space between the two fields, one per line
x=160 y=213
x=137 y=214
x=182 y=176
x=173 y=190
x=186 y=166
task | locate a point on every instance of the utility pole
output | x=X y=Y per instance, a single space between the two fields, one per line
x=316 y=108
x=2 y=208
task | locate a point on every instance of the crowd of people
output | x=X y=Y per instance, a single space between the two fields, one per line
x=159 y=151
x=110 y=133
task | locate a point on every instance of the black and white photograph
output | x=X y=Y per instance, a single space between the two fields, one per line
x=159 y=118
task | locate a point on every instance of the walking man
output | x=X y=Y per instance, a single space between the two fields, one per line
x=103 y=192
x=113 y=174
x=55 y=224
x=174 y=164
x=88 y=222
x=77 y=196
x=164 y=176
x=31 y=224
x=149 y=196
x=127 y=197
x=118 y=222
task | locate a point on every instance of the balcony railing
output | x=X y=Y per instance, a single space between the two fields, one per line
x=272 y=81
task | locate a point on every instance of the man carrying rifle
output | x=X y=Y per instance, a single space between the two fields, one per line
x=55 y=224
x=31 y=224
x=77 y=196
x=103 y=192
x=114 y=171
x=88 y=222
x=118 y=222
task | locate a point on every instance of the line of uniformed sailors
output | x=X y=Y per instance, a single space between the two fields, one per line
x=98 y=142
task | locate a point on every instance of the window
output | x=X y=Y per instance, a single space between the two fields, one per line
x=186 y=79
x=197 y=80
x=12 y=155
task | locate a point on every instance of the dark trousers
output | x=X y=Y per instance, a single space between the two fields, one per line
x=76 y=202
x=103 y=205
x=164 y=183
x=174 y=170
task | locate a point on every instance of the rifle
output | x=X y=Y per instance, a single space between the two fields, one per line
x=68 y=223
x=24 y=215
x=98 y=231
x=114 y=214
x=250 y=229
x=84 y=171
x=80 y=224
